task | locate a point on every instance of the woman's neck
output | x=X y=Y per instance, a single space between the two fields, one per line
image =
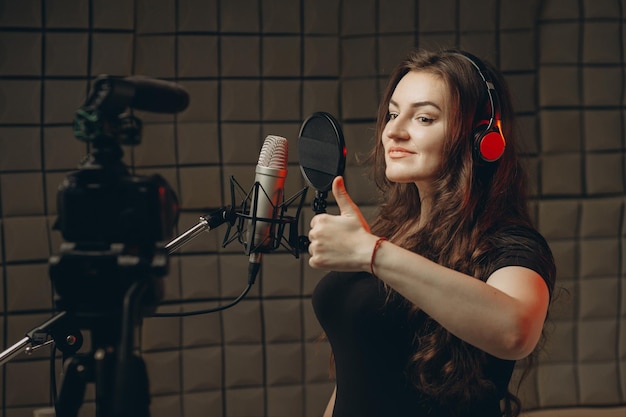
x=426 y=204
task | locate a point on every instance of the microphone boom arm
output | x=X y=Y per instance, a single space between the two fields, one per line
x=207 y=223
x=66 y=336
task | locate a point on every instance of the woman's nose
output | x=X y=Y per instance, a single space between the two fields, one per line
x=396 y=129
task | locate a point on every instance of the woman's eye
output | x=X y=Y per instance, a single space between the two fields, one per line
x=425 y=120
x=391 y=116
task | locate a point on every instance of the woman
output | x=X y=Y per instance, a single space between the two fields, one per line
x=427 y=311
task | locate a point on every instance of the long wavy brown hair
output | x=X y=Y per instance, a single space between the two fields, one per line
x=470 y=199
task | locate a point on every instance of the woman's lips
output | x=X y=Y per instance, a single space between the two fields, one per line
x=398 y=152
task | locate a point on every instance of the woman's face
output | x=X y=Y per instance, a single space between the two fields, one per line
x=414 y=135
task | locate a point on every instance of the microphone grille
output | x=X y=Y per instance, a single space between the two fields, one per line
x=274 y=153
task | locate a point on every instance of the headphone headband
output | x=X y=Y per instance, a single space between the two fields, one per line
x=494 y=107
x=489 y=142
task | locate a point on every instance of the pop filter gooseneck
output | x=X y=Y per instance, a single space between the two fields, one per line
x=322 y=153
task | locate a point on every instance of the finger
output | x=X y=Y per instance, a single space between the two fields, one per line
x=318 y=218
x=344 y=202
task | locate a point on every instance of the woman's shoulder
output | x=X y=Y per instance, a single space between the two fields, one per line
x=519 y=235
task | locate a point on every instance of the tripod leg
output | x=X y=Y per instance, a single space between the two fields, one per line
x=104 y=363
x=133 y=393
x=78 y=372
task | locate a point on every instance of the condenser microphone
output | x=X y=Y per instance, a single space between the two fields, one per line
x=269 y=189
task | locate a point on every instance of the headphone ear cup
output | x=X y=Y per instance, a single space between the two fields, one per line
x=489 y=145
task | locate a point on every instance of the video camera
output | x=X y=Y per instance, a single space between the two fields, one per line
x=113 y=221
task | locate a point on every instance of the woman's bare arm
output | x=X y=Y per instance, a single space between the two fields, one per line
x=331 y=404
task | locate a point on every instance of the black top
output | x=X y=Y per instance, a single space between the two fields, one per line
x=372 y=340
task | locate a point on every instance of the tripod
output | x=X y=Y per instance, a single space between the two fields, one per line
x=120 y=376
x=111 y=308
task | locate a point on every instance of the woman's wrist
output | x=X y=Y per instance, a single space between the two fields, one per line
x=375 y=250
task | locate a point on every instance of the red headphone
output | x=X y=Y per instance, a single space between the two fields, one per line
x=489 y=142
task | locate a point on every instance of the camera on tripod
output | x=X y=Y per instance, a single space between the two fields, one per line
x=109 y=272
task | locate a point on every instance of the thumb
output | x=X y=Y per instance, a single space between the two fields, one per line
x=344 y=202
x=347 y=207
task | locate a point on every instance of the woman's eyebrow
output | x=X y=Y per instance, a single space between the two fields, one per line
x=419 y=104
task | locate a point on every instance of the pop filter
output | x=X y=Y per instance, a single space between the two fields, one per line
x=322 y=153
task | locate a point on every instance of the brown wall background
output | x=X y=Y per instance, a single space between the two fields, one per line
x=259 y=67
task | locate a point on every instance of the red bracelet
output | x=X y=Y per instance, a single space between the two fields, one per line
x=376 y=247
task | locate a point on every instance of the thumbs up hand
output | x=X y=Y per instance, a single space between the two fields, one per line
x=341 y=242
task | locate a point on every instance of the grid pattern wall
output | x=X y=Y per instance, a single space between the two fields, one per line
x=580 y=208
x=259 y=67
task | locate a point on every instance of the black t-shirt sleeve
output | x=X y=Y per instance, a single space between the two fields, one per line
x=527 y=248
